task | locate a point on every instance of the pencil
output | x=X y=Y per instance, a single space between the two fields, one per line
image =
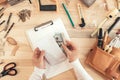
x=68 y=14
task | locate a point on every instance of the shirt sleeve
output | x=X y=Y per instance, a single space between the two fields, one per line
x=80 y=72
x=37 y=74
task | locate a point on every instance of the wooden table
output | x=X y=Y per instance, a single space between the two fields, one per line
x=93 y=16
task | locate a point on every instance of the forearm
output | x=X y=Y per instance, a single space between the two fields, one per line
x=37 y=74
x=80 y=72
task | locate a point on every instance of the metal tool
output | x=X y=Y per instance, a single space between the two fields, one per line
x=23 y=14
x=46 y=24
x=60 y=39
x=8 y=22
x=47 y=7
x=108 y=48
x=2 y=9
x=9 y=69
x=88 y=3
x=9 y=30
x=112 y=14
x=30 y=1
x=117 y=44
x=81 y=16
x=113 y=25
x=14 y=2
x=2 y=22
x=1 y=15
x=100 y=38
x=114 y=43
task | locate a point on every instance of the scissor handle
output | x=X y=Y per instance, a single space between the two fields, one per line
x=9 y=69
x=11 y=72
x=10 y=66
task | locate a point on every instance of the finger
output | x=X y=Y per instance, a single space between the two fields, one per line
x=71 y=45
x=42 y=53
x=36 y=53
x=67 y=51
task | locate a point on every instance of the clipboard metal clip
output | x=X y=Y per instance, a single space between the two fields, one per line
x=43 y=24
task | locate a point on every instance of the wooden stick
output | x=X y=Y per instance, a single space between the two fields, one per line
x=106 y=5
x=13 y=53
x=118 y=4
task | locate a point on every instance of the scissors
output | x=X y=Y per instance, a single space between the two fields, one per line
x=9 y=69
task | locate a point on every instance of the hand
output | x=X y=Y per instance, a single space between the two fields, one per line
x=2 y=1
x=71 y=51
x=38 y=58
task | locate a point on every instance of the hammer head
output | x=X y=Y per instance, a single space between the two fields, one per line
x=88 y=3
x=14 y=2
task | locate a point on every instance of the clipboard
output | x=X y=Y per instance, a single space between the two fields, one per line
x=42 y=36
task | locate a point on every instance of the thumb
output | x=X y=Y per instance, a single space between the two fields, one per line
x=67 y=51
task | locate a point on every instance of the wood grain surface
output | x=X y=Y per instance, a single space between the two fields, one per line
x=93 y=16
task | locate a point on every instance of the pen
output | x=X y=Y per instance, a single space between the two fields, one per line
x=68 y=14
x=9 y=30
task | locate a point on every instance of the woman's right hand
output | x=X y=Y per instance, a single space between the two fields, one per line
x=71 y=50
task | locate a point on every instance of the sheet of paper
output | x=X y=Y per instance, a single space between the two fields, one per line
x=54 y=54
